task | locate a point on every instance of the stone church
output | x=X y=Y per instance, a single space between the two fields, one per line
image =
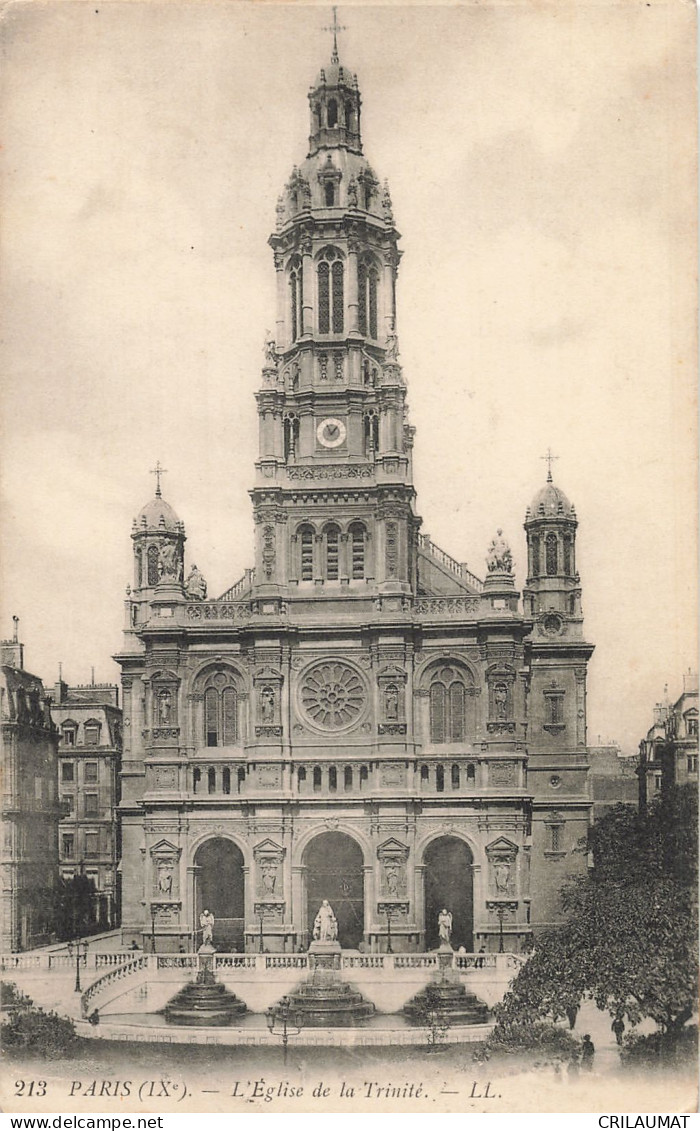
x=359 y=718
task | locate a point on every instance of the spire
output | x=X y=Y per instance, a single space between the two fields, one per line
x=550 y=460
x=335 y=27
x=158 y=471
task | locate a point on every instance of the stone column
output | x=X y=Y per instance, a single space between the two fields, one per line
x=419 y=904
x=297 y=912
x=351 y=289
x=281 y=331
x=307 y=269
x=368 y=894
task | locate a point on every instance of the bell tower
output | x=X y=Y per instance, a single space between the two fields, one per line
x=334 y=497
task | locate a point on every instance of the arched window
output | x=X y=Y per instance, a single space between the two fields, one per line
x=332 y=779
x=332 y=118
x=331 y=299
x=139 y=568
x=196 y=779
x=317 y=778
x=226 y=781
x=240 y=778
x=301 y=776
x=440 y=779
x=211 y=780
x=567 y=556
x=306 y=550
x=357 y=550
x=349 y=116
x=347 y=777
x=329 y=191
x=153 y=565
x=367 y=286
x=455 y=776
x=424 y=775
x=220 y=711
x=536 y=555
x=447 y=706
x=296 y=297
x=551 y=555
x=364 y=774
x=332 y=538
x=471 y=773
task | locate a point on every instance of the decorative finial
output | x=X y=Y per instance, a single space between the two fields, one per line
x=550 y=460
x=158 y=471
x=335 y=27
x=16 y=633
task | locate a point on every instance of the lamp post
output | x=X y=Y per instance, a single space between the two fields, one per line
x=389 y=947
x=79 y=949
x=153 y=929
x=500 y=910
x=289 y=1023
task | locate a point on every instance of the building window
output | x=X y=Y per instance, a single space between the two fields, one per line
x=329 y=190
x=692 y=726
x=220 y=712
x=332 y=547
x=92 y=805
x=364 y=774
x=440 y=779
x=692 y=763
x=555 y=706
x=447 y=706
x=90 y=773
x=471 y=774
x=555 y=838
x=69 y=800
x=70 y=731
x=240 y=778
x=536 y=555
x=567 y=556
x=67 y=846
x=332 y=118
x=67 y=771
x=455 y=777
x=347 y=777
x=92 y=844
x=551 y=555
x=296 y=298
x=226 y=781
x=211 y=780
x=367 y=283
x=317 y=778
x=301 y=775
x=306 y=543
x=331 y=316
x=424 y=775
x=196 y=779
x=332 y=779
x=153 y=558
x=357 y=549
x=92 y=733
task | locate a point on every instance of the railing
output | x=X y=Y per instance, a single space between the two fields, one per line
x=60 y=960
x=286 y=961
x=177 y=962
x=363 y=961
x=133 y=966
x=242 y=586
x=112 y=959
x=414 y=961
x=450 y=563
x=475 y=961
x=236 y=961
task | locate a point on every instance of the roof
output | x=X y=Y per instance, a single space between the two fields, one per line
x=551 y=502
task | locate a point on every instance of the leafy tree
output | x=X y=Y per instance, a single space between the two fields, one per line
x=629 y=940
x=76 y=907
x=33 y=1029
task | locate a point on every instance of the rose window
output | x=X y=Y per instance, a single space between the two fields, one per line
x=332 y=695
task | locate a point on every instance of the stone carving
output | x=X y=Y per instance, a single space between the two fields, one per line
x=270 y=351
x=195 y=585
x=332 y=695
x=164 y=706
x=206 y=922
x=391 y=703
x=267 y=704
x=393 y=856
x=169 y=565
x=501 y=856
x=499 y=558
x=352 y=193
x=219 y=610
x=503 y=773
x=268 y=876
x=391 y=728
x=325 y=924
x=446 y=606
x=164 y=881
x=500 y=700
x=332 y=471
x=445 y=926
x=268 y=551
x=392 y=548
x=392 y=346
x=268 y=732
x=501 y=872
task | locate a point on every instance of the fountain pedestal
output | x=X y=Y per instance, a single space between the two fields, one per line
x=204 y=1001
x=324 y=999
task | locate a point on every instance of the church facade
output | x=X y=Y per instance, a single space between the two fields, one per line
x=360 y=718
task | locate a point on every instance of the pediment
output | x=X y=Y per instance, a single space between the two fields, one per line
x=164 y=848
x=268 y=847
x=392 y=847
x=501 y=844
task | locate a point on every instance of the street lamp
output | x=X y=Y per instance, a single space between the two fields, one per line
x=288 y=1022
x=500 y=910
x=262 y=933
x=153 y=929
x=79 y=949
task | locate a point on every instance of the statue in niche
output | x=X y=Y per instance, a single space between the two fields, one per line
x=499 y=558
x=267 y=705
x=206 y=922
x=445 y=926
x=501 y=874
x=165 y=879
x=268 y=870
x=392 y=346
x=500 y=700
x=352 y=193
x=392 y=878
x=168 y=564
x=325 y=924
x=391 y=703
x=165 y=706
x=195 y=586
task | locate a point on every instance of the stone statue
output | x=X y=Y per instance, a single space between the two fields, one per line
x=165 y=704
x=269 y=876
x=206 y=922
x=445 y=926
x=352 y=193
x=195 y=586
x=500 y=699
x=391 y=703
x=325 y=924
x=501 y=873
x=165 y=879
x=392 y=879
x=499 y=558
x=392 y=346
x=267 y=705
x=270 y=351
x=168 y=564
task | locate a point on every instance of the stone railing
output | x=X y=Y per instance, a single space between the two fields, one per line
x=60 y=960
x=237 y=961
x=432 y=608
x=286 y=961
x=242 y=586
x=448 y=562
x=126 y=970
x=218 y=610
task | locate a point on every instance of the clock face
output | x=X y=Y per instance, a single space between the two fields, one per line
x=331 y=432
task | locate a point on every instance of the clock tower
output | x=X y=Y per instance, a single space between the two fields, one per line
x=334 y=497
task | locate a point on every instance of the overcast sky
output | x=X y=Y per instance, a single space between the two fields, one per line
x=540 y=159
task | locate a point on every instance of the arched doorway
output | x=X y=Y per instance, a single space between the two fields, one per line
x=448 y=883
x=220 y=888
x=335 y=871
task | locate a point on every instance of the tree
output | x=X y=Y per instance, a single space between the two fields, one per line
x=76 y=912
x=629 y=940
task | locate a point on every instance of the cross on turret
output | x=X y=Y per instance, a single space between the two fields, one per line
x=158 y=471
x=335 y=27
x=550 y=460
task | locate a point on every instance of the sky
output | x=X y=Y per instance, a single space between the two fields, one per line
x=541 y=163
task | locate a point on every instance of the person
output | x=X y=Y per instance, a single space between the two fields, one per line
x=480 y=960
x=618 y=1028
x=445 y=926
x=325 y=924
x=572 y=1014
x=587 y=1053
